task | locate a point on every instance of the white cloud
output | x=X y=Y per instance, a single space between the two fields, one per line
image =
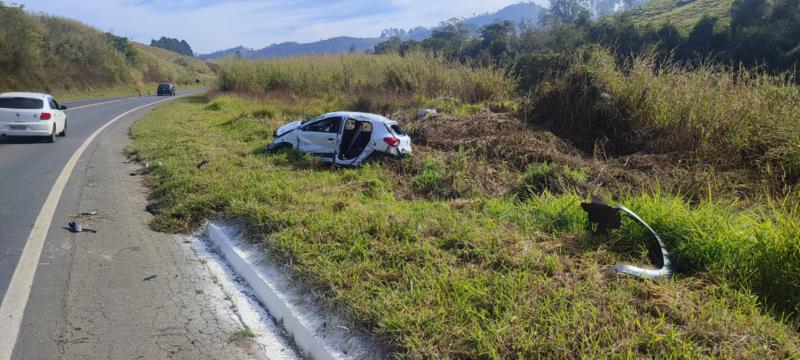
x=224 y=24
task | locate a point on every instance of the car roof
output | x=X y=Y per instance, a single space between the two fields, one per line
x=361 y=116
x=26 y=95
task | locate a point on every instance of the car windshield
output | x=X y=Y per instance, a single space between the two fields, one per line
x=398 y=130
x=21 y=103
x=306 y=121
x=164 y=86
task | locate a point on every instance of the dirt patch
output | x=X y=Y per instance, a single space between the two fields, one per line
x=579 y=109
x=497 y=154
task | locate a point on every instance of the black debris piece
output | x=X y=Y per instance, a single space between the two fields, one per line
x=602 y=215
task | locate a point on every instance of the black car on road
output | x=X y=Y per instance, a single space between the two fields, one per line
x=166 y=90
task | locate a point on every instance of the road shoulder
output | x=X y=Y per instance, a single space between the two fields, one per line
x=125 y=291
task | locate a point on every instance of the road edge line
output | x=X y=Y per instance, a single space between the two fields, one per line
x=304 y=337
x=12 y=309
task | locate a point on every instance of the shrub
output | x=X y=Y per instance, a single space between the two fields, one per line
x=733 y=119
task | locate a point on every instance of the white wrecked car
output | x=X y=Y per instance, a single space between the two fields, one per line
x=344 y=138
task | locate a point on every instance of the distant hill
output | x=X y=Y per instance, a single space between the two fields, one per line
x=527 y=11
x=682 y=13
x=517 y=13
x=337 y=45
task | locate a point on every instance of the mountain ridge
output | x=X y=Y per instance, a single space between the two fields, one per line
x=528 y=11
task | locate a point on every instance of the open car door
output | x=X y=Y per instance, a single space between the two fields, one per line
x=319 y=137
x=356 y=136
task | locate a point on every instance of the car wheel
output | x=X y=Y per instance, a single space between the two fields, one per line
x=279 y=147
x=376 y=157
x=52 y=137
x=63 y=133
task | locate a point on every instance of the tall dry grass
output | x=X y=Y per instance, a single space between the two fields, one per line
x=415 y=74
x=711 y=114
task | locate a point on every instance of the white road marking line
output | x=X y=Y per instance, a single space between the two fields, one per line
x=12 y=308
x=93 y=105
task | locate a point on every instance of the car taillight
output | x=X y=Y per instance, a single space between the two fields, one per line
x=392 y=141
x=45 y=116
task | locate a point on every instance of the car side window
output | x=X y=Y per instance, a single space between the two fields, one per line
x=53 y=104
x=329 y=125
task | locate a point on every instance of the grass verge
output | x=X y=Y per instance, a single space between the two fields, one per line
x=472 y=274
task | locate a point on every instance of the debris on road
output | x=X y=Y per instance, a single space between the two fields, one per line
x=75 y=228
x=151 y=277
x=603 y=217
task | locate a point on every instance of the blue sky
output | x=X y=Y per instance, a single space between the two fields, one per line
x=210 y=25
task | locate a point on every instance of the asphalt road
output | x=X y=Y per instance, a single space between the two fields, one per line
x=122 y=292
x=29 y=167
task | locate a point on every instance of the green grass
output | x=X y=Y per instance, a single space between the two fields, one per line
x=243 y=334
x=685 y=17
x=466 y=275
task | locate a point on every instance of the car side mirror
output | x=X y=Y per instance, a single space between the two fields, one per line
x=63 y=107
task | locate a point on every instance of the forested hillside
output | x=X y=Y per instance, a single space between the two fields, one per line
x=681 y=13
x=57 y=55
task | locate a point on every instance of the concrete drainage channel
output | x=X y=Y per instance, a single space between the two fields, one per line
x=270 y=299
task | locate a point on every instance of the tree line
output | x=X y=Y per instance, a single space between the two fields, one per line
x=761 y=33
x=179 y=46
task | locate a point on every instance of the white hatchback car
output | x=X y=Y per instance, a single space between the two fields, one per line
x=344 y=138
x=31 y=114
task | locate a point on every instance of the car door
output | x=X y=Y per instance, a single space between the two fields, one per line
x=319 y=137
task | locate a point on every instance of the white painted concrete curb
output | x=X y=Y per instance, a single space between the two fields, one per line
x=304 y=337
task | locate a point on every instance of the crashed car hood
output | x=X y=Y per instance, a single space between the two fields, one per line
x=283 y=130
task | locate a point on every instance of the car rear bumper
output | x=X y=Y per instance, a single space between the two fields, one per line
x=43 y=128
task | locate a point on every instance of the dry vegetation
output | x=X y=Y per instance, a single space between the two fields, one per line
x=413 y=76
x=725 y=120
x=65 y=57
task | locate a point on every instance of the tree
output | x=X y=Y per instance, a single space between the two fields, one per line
x=567 y=11
x=124 y=46
x=175 y=45
x=390 y=46
x=393 y=32
x=497 y=39
x=703 y=40
x=745 y=13
x=449 y=39
x=668 y=38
